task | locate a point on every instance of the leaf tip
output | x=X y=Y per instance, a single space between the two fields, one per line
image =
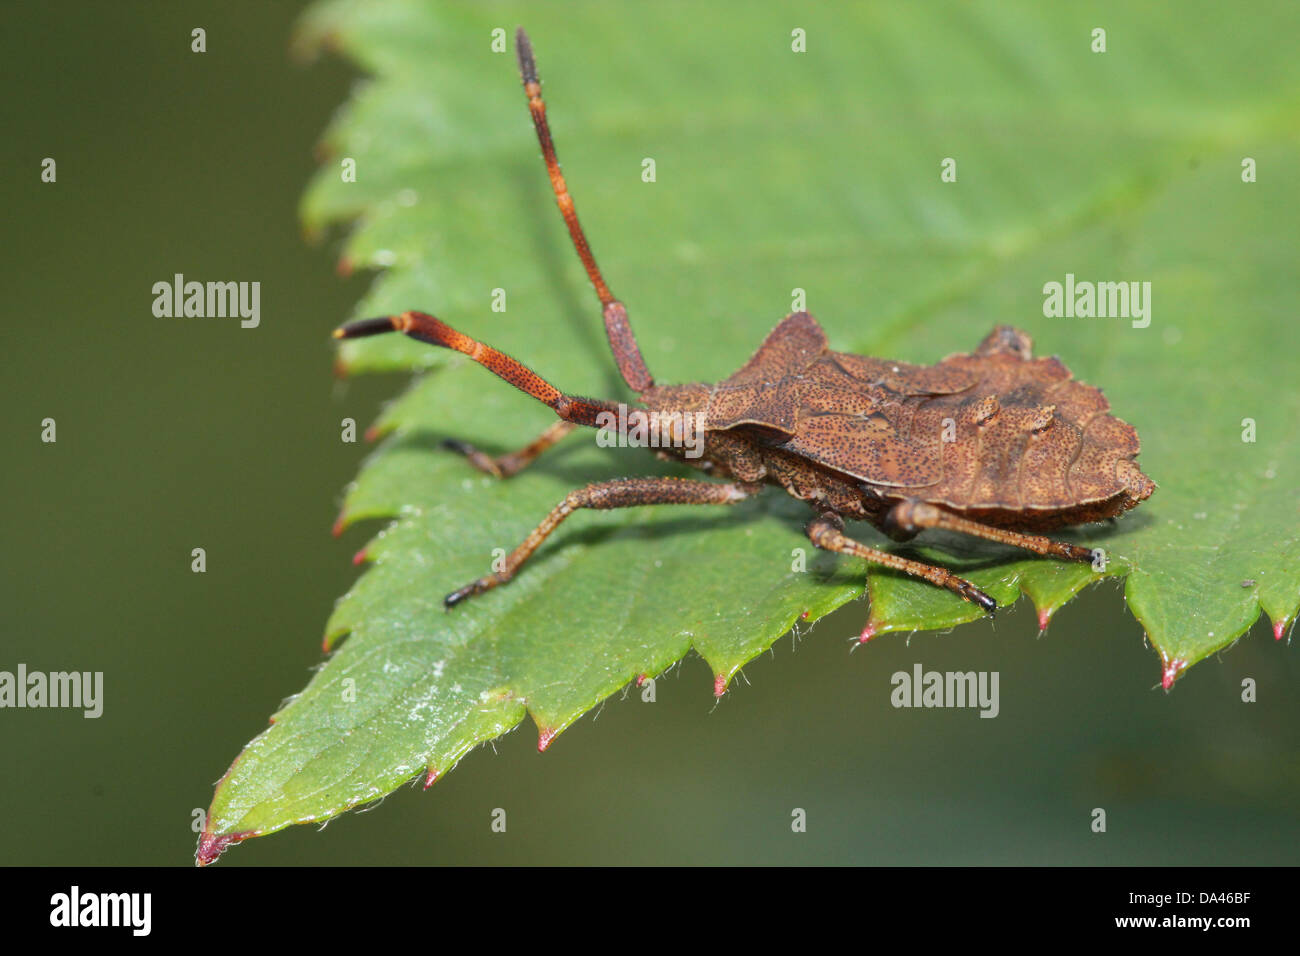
x=1171 y=671
x=340 y=524
x=1279 y=628
x=212 y=845
x=360 y=558
x=1044 y=619
x=719 y=685
x=544 y=737
x=868 y=632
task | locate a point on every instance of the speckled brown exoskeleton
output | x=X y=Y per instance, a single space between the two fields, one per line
x=996 y=444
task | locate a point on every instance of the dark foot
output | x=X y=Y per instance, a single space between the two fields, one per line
x=483 y=462
x=973 y=594
x=471 y=589
x=1076 y=553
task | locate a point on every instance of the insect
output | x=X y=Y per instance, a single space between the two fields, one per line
x=996 y=444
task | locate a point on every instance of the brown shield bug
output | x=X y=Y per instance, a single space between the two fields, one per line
x=996 y=444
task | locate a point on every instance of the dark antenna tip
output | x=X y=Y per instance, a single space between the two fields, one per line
x=524 y=51
x=363 y=327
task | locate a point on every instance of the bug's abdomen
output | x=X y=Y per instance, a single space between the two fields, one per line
x=1026 y=437
x=997 y=434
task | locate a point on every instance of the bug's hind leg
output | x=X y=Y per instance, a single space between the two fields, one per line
x=504 y=466
x=604 y=495
x=910 y=516
x=827 y=532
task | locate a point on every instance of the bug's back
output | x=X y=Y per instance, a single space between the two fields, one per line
x=996 y=435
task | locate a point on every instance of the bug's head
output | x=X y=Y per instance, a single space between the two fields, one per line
x=679 y=420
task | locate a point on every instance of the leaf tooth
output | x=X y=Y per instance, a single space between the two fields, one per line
x=332 y=639
x=212 y=845
x=430 y=777
x=544 y=737
x=719 y=685
x=1171 y=669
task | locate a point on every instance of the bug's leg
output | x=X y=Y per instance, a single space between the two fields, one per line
x=617 y=328
x=433 y=331
x=910 y=516
x=516 y=461
x=604 y=495
x=827 y=532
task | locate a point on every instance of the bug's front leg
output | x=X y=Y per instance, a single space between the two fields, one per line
x=620 y=493
x=516 y=461
x=910 y=516
x=827 y=532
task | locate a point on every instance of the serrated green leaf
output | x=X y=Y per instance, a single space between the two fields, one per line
x=778 y=171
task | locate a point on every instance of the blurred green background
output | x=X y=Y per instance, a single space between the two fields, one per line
x=182 y=434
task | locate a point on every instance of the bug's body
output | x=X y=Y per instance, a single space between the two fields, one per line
x=996 y=444
x=996 y=436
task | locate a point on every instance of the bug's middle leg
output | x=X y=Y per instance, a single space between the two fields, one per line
x=910 y=516
x=516 y=461
x=620 y=493
x=827 y=532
